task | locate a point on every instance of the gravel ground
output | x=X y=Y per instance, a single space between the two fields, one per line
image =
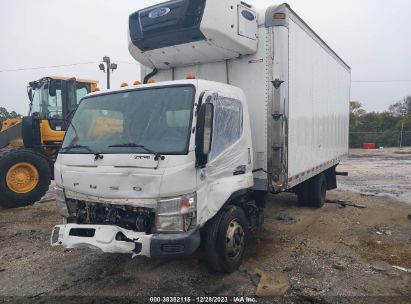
x=384 y=172
x=317 y=256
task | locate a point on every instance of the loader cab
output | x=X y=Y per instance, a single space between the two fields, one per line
x=56 y=99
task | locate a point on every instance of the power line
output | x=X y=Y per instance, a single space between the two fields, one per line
x=128 y=62
x=48 y=67
x=61 y=66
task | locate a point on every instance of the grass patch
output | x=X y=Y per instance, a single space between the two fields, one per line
x=393 y=253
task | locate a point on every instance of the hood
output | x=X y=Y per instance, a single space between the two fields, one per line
x=133 y=179
x=114 y=176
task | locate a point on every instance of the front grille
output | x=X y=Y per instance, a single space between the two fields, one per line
x=131 y=218
x=172 y=248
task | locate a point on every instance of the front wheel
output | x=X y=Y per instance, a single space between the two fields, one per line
x=226 y=239
x=24 y=177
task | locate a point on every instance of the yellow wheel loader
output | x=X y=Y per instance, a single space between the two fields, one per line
x=29 y=145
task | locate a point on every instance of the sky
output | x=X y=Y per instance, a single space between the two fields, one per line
x=372 y=36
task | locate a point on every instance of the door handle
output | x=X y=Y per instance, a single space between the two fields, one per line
x=240 y=170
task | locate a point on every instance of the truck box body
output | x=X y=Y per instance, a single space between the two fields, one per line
x=299 y=129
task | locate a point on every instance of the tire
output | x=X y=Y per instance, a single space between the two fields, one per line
x=312 y=193
x=318 y=191
x=30 y=132
x=32 y=183
x=226 y=239
x=303 y=193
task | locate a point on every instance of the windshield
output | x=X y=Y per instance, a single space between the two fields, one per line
x=51 y=107
x=46 y=106
x=141 y=121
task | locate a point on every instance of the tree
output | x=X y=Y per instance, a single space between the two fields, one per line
x=356 y=108
x=405 y=122
x=4 y=114
x=408 y=103
x=13 y=114
x=356 y=111
x=382 y=128
x=401 y=108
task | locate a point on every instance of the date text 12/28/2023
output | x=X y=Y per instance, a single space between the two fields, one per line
x=206 y=299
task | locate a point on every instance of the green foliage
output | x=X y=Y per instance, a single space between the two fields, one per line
x=356 y=111
x=401 y=108
x=404 y=123
x=384 y=128
x=4 y=114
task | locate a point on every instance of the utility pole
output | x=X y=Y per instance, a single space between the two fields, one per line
x=110 y=67
x=402 y=131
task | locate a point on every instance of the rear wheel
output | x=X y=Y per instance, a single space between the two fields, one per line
x=303 y=193
x=313 y=192
x=24 y=177
x=318 y=191
x=226 y=239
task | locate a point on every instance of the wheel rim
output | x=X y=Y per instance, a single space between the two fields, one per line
x=22 y=178
x=234 y=239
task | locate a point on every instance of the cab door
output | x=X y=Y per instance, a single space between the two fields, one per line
x=69 y=100
x=226 y=167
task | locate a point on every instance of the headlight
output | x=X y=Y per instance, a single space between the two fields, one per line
x=176 y=214
x=61 y=201
x=170 y=223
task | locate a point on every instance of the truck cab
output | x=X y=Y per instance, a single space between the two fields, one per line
x=143 y=169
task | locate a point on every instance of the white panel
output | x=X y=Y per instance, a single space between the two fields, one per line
x=163 y=75
x=181 y=55
x=318 y=103
x=247 y=23
x=211 y=71
x=219 y=25
x=253 y=74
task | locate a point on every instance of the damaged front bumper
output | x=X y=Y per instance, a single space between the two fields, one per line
x=114 y=239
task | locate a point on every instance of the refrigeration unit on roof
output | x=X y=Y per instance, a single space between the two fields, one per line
x=184 y=32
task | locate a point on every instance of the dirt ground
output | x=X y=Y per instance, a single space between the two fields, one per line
x=384 y=172
x=317 y=256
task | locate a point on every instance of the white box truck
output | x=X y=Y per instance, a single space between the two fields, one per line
x=237 y=102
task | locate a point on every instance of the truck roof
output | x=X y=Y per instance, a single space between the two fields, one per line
x=199 y=83
x=266 y=16
x=148 y=85
x=77 y=79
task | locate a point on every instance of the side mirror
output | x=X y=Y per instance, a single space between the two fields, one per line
x=52 y=88
x=30 y=93
x=204 y=133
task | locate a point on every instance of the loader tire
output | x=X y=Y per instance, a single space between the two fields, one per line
x=25 y=177
x=226 y=239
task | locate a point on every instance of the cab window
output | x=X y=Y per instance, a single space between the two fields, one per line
x=228 y=124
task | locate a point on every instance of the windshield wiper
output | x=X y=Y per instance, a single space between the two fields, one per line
x=157 y=155
x=96 y=154
x=79 y=147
